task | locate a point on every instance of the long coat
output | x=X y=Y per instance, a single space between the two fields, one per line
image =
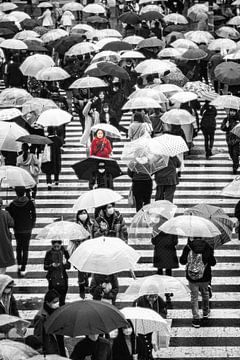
x=165 y=256
x=6 y=250
x=53 y=166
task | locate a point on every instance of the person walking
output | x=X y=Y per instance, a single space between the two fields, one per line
x=91 y=117
x=92 y=347
x=22 y=210
x=67 y=20
x=100 y=146
x=6 y=249
x=14 y=76
x=142 y=185
x=208 y=126
x=104 y=287
x=56 y=263
x=138 y=127
x=101 y=178
x=198 y=256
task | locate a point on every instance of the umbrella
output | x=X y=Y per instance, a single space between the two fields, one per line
x=183 y=97
x=106 y=56
x=222 y=44
x=227 y=101
x=235 y=21
x=101 y=43
x=176 y=34
x=4 y=32
x=150 y=43
x=85 y=168
x=148 y=285
x=151 y=15
x=28 y=24
x=149 y=93
x=93 y=70
x=113 y=70
x=141 y=103
x=146 y=320
x=9 y=132
x=9 y=114
x=7 y=6
x=203 y=91
x=218 y=217
x=34 y=63
x=199 y=36
x=94 y=9
x=110 y=33
x=184 y=44
x=86 y=317
x=11 y=176
x=72 y=6
x=53 y=73
x=228 y=33
x=53 y=35
x=150 y=217
x=152 y=66
x=38 y=105
x=133 y=39
x=35 y=139
x=175 y=18
x=63 y=44
x=81 y=28
x=16 y=350
x=132 y=55
x=48 y=357
x=23 y=35
x=104 y=255
x=190 y=226
x=34 y=46
x=20 y=15
x=41 y=30
x=54 y=117
x=110 y=130
x=130 y=18
x=64 y=231
x=228 y=73
x=88 y=82
x=14 y=97
x=96 y=198
x=171 y=145
x=232 y=189
x=177 y=117
x=81 y=49
x=117 y=46
x=168 y=53
x=194 y=54
x=233 y=55
x=7 y=322
x=13 y=44
x=236 y=130
x=45 y=5
x=167 y=89
x=95 y=19
x=151 y=7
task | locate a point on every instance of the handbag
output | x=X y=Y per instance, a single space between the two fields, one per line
x=46 y=155
x=131 y=198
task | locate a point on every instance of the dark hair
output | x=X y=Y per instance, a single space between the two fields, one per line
x=102 y=132
x=51 y=130
x=50 y=296
x=80 y=212
x=20 y=191
x=138 y=117
x=25 y=148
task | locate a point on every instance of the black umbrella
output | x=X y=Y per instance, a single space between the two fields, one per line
x=35 y=139
x=9 y=25
x=113 y=70
x=117 y=46
x=85 y=168
x=29 y=24
x=34 y=46
x=130 y=17
x=151 y=15
x=6 y=33
x=95 y=19
x=64 y=44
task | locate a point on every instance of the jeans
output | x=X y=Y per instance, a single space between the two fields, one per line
x=23 y=240
x=195 y=287
x=165 y=192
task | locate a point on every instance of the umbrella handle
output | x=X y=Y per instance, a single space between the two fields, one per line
x=133 y=274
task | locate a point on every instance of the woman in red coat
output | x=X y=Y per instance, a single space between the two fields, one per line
x=100 y=145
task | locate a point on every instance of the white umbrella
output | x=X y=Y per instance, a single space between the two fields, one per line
x=13 y=44
x=184 y=44
x=88 y=82
x=9 y=114
x=53 y=73
x=81 y=49
x=170 y=145
x=64 y=231
x=20 y=15
x=26 y=34
x=104 y=255
x=167 y=89
x=227 y=101
x=132 y=54
x=14 y=97
x=11 y=176
x=94 y=9
x=175 y=18
x=45 y=4
x=8 y=321
x=199 y=36
x=109 y=130
x=190 y=226
x=152 y=66
x=232 y=189
x=149 y=93
x=9 y=133
x=177 y=117
x=95 y=198
x=53 y=35
x=146 y=320
x=106 y=56
x=184 y=97
x=16 y=350
x=222 y=44
x=82 y=27
x=7 y=6
x=38 y=105
x=54 y=117
x=72 y=6
x=34 y=63
x=141 y=103
x=133 y=39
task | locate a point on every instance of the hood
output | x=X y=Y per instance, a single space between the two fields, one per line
x=5 y=280
x=21 y=201
x=198 y=246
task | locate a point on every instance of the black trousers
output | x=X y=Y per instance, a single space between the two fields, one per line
x=165 y=192
x=23 y=240
x=234 y=154
x=167 y=272
x=49 y=178
x=142 y=191
x=208 y=140
x=62 y=291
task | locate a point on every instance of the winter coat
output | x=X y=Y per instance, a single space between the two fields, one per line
x=53 y=166
x=227 y=125
x=9 y=299
x=90 y=120
x=15 y=77
x=120 y=349
x=159 y=305
x=135 y=176
x=165 y=255
x=199 y=247
x=104 y=180
x=156 y=122
x=6 y=250
x=88 y=349
x=168 y=175
x=57 y=274
x=96 y=287
x=101 y=147
x=208 y=113
x=23 y=212
x=118 y=227
x=26 y=164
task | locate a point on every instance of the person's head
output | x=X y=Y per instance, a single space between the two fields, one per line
x=149 y=79
x=140 y=81
x=20 y=191
x=101 y=95
x=51 y=300
x=33 y=342
x=207 y=102
x=25 y=147
x=101 y=167
x=51 y=130
x=93 y=337
x=152 y=297
x=100 y=134
x=157 y=111
x=128 y=330
x=138 y=117
x=6 y=285
x=113 y=334
x=56 y=245
x=15 y=58
x=106 y=107
x=82 y=216
x=109 y=209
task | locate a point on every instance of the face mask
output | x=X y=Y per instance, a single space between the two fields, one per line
x=54 y=306
x=101 y=171
x=127 y=331
x=110 y=211
x=83 y=217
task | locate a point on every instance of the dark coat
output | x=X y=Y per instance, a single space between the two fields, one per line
x=117 y=227
x=13 y=310
x=23 y=213
x=165 y=256
x=104 y=180
x=6 y=250
x=227 y=125
x=54 y=273
x=168 y=175
x=208 y=113
x=15 y=77
x=159 y=305
x=53 y=166
x=199 y=247
x=237 y=211
x=98 y=350
x=120 y=350
x=96 y=287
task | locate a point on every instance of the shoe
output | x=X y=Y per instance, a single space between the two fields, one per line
x=56 y=183
x=49 y=187
x=210 y=291
x=234 y=171
x=205 y=316
x=196 y=323
x=179 y=174
x=19 y=271
x=24 y=273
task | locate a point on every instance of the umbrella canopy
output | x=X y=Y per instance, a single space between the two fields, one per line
x=183 y=97
x=218 y=217
x=88 y=82
x=45 y=5
x=151 y=15
x=194 y=54
x=33 y=46
x=84 y=169
x=96 y=19
x=7 y=322
x=13 y=44
x=184 y=44
x=233 y=55
x=151 y=7
x=113 y=70
x=14 y=97
x=96 y=198
x=141 y=103
x=81 y=49
x=20 y=15
x=48 y=357
x=11 y=176
x=25 y=34
x=175 y=77
x=227 y=101
x=53 y=73
x=64 y=231
x=101 y=43
x=228 y=33
x=82 y=28
x=154 y=66
x=15 y=349
x=54 y=117
x=149 y=93
x=9 y=132
x=171 y=145
x=104 y=255
x=28 y=24
x=130 y=17
x=117 y=46
x=133 y=39
x=150 y=43
x=190 y=226
x=222 y=44
x=41 y=30
x=7 y=6
x=63 y=44
x=132 y=55
x=109 y=130
x=94 y=71
x=53 y=35
x=34 y=139
x=94 y=9
x=175 y=19
x=9 y=114
x=228 y=73
x=72 y=6
x=34 y=63
x=232 y=189
x=177 y=117
x=106 y=56
x=86 y=317
x=146 y=320
x=38 y=105
x=168 y=53
x=167 y=89
x=203 y=91
x=236 y=130
x=199 y=36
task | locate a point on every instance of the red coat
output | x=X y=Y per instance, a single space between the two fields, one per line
x=101 y=147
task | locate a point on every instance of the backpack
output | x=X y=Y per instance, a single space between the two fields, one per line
x=195 y=266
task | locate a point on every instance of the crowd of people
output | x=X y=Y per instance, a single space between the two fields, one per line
x=99 y=107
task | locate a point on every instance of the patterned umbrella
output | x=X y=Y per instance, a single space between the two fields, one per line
x=175 y=77
x=9 y=114
x=203 y=91
x=14 y=97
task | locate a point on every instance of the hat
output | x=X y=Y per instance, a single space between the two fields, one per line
x=51 y=295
